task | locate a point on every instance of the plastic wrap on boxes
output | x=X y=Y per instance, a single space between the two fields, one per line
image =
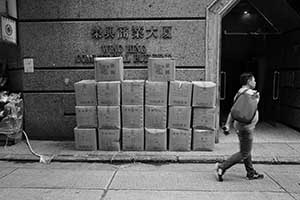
x=85 y=93
x=133 y=139
x=156 y=117
x=108 y=68
x=161 y=69
x=204 y=118
x=156 y=93
x=109 y=139
x=180 y=117
x=108 y=93
x=133 y=92
x=180 y=93
x=85 y=138
x=109 y=117
x=156 y=139
x=204 y=94
x=180 y=140
x=11 y=115
x=203 y=140
x=86 y=116
x=133 y=116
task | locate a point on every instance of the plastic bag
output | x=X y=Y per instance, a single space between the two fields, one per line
x=11 y=112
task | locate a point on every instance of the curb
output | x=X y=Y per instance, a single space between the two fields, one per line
x=163 y=159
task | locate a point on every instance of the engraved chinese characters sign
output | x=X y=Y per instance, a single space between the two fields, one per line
x=133 y=32
x=126 y=41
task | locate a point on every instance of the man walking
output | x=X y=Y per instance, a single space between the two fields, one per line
x=244 y=132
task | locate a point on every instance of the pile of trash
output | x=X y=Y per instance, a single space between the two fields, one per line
x=11 y=114
x=11 y=121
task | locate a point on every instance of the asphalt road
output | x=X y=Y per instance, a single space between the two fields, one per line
x=30 y=181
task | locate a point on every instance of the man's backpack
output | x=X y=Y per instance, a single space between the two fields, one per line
x=244 y=107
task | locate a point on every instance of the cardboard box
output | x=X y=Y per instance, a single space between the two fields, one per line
x=180 y=140
x=133 y=139
x=156 y=93
x=86 y=116
x=85 y=93
x=108 y=68
x=133 y=116
x=204 y=118
x=180 y=93
x=179 y=117
x=133 y=92
x=203 y=140
x=109 y=139
x=156 y=139
x=85 y=138
x=108 y=93
x=109 y=117
x=204 y=94
x=161 y=69
x=156 y=117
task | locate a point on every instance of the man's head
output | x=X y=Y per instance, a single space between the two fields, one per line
x=247 y=79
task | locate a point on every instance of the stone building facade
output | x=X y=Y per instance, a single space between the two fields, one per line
x=62 y=37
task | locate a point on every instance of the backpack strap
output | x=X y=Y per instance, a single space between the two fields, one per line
x=239 y=94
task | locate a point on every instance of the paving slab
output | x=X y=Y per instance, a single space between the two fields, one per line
x=59 y=165
x=193 y=195
x=16 y=156
x=295 y=146
x=176 y=167
x=264 y=159
x=293 y=169
x=172 y=180
x=49 y=194
x=280 y=149
x=288 y=159
x=186 y=167
x=289 y=181
x=201 y=158
x=44 y=147
x=296 y=196
x=57 y=178
x=260 y=150
x=5 y=171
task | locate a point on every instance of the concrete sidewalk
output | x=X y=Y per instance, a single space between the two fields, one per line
x=168 y=181
x=273 y=147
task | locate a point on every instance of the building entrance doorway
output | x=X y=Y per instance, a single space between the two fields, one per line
x=244 y=35
x=245 y=47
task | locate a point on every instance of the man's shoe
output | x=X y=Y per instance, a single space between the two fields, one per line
x=255 y=175
x=225 y=130
x=219 y=172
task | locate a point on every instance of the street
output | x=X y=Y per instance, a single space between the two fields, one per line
x=74 y=180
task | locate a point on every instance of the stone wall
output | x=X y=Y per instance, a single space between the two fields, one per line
x=62 y=37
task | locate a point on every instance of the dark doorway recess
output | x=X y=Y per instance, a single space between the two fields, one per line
x=245 y=44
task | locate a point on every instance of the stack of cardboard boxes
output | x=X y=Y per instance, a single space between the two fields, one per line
x=133 y=115
x=108 y=75
x=152 y=115
x=86 y=115
x=98 y=107
x=180 y=95
x=204 y=122
x=160 y=71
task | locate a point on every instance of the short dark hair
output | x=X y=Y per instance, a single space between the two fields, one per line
x=244 y=77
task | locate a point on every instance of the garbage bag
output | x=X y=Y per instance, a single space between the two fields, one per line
x=11 y=112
